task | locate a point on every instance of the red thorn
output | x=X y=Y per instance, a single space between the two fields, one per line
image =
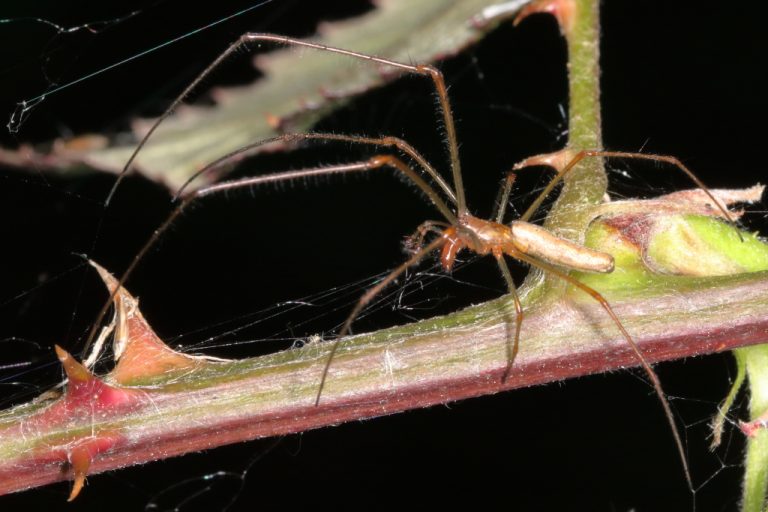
x=146 y=356
x=86 y=397
x=76 y=372
x=80 y=459
x=139 y=352
x=86 y=390
x=563 y=11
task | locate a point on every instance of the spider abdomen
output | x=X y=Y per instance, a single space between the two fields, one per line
x=536 y=241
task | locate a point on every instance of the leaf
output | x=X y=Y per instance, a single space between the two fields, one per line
x=296 y=91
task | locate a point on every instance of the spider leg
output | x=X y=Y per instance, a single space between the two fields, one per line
x=654 y=378
x=366 y=298
x=503 y=198
x=513 y=348
x=563 y=170
x=672 y=160
x=245 y=40
x=372 y=163
x=416 y=240
x=506 y=188
x=291 y=137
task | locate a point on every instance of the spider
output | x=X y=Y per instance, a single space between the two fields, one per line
x=459 y=230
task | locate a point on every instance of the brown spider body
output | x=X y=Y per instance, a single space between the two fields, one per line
x=489 y=237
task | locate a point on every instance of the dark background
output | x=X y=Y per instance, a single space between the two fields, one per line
x=678 y=78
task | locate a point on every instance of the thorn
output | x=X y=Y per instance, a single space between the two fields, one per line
x=563 y=10
x=556 y=160
x=139 y=352
x=109 y=280
x=86 y=391
x=76 y=372
x=80 y=459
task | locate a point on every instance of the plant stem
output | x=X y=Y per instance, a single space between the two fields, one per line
x=756 y=460
x=586 y=185
x=585 y=123
x=431 y=362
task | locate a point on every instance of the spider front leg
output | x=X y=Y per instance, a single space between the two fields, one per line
x=415 y=241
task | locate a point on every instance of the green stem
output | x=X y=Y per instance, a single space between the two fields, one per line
x=586 y=185
x=585 y=130
x=718 y=424
x=756 y=461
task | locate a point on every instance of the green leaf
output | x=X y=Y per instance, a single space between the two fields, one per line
x=298 y=88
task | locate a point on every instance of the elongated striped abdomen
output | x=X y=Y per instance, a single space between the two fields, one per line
x=537 y=241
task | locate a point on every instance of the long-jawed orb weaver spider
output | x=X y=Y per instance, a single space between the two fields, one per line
x=519 y=239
